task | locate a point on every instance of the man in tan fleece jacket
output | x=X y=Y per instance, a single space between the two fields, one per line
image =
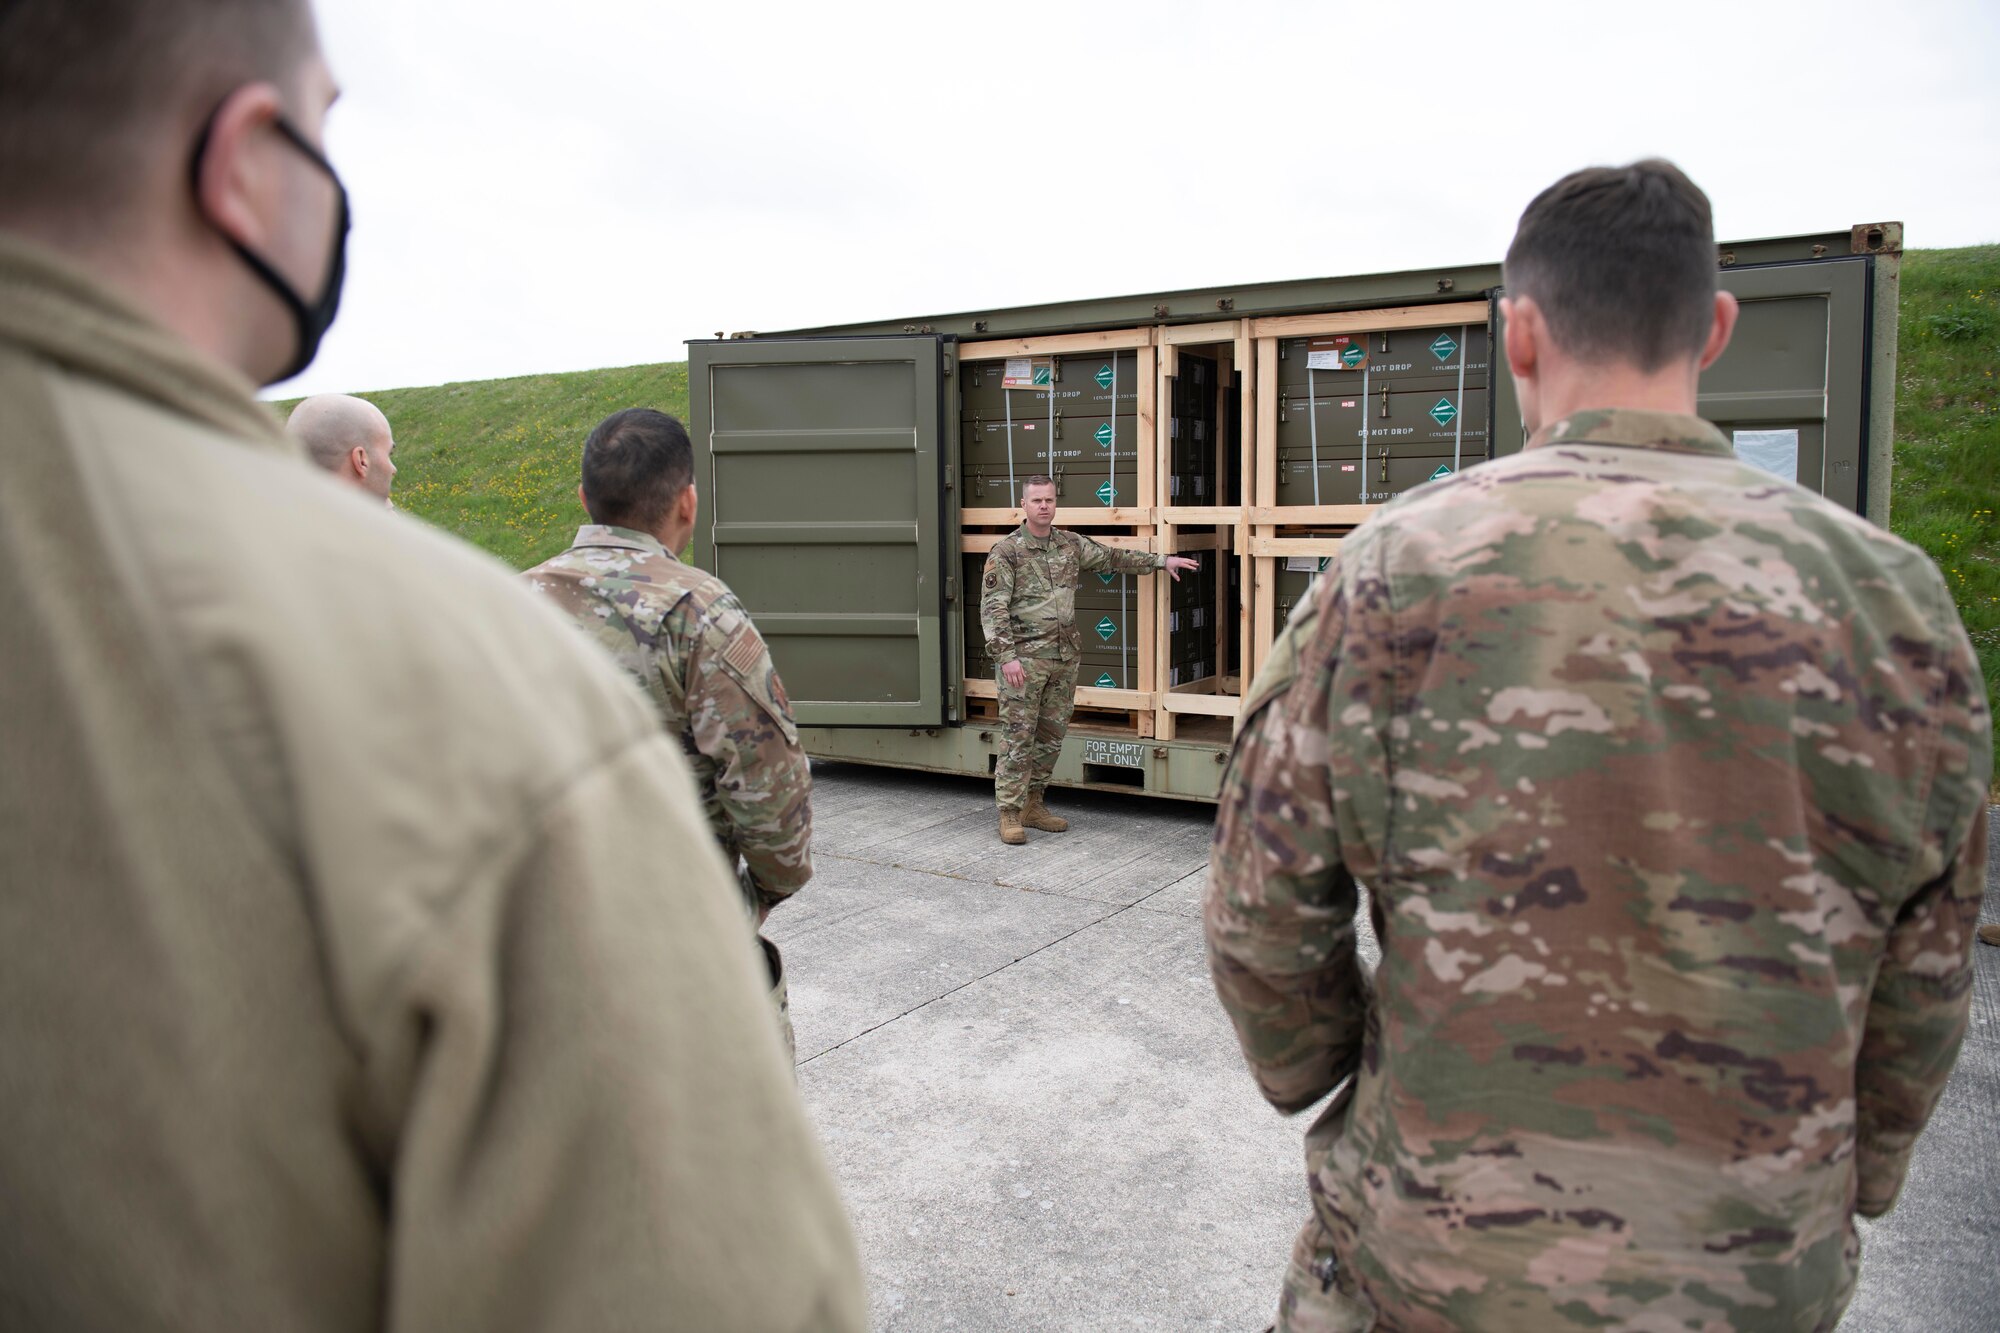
x=364 y=960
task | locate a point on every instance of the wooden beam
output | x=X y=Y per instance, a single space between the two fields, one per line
x=1311 y=515
x=1208 y=705
x=1283 y=546
x=1180 y=335
x=1065 y=518
x=1370 y=321
x=1226 y=516
x=1058 y=344
x=1264 y=453
x=1087 y=696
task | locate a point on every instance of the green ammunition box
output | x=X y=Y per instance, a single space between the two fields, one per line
x=1408 y=359
x=1081 y=386
x=1035 y=446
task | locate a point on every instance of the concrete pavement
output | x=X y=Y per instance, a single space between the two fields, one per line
x=1037 y=1110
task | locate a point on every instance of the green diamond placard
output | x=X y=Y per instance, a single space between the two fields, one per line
x=1442 y=412
x=1354 y=355
x=1106 y=493
x=1107 y=579
x=1103 y=377
x=1443 y=346
x=1107 y=628
x=1443 y=471
x=1104 y=681
x=1103 y=435
x=1042 y=375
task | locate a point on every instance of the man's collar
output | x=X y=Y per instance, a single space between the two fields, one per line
x=1633 y=428
x=1028 y=538
x=626 y=539
x=56 y=310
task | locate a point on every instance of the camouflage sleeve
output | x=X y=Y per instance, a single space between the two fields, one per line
x=1923 y=989
x=1096 y=558
x=741 y=719
x=996 y=597
x=1279 y=915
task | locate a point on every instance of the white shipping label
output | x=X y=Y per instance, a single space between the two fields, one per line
x=1301 y=564
x=1342 y=351
x=1028 y=372
x=1776 y=451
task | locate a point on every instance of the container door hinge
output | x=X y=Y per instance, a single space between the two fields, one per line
x=945 y=364
x=950 y=588
x=951 y=476
x=951 y=703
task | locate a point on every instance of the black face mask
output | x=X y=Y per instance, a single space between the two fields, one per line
x=310 y=321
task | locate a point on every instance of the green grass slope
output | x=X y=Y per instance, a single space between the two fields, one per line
x=1945 y=490
x=495 y=461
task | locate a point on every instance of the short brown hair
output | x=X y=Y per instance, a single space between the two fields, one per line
x=635 y=466
x=84 y=83
x=1621 y=261
x=1037 y=480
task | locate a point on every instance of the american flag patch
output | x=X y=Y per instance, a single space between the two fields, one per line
x=743 y=650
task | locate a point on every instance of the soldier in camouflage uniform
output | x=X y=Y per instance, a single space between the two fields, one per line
x=682 y=635
x=1028 y=609
x=1668 y=779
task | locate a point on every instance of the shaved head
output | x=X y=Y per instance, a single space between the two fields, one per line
x=347 y=436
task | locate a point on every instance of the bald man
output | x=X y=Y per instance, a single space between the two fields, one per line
x=349 y=437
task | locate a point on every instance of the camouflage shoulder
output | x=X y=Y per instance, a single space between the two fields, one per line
x=732 y=645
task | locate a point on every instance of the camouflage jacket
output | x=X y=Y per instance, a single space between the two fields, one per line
x=1028 y=604
x=682 y=634
x=1668 y=781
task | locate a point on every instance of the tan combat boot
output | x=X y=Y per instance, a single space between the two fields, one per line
x=1989 y=933
x=1037 y=816
x=1011 y=831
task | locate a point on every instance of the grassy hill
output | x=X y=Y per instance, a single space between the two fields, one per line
x=495 y=461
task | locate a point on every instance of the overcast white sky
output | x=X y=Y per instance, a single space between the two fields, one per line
x=544 y=187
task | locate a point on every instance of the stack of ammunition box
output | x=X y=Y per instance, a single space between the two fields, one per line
x=1081 y=428
x=1364 y=417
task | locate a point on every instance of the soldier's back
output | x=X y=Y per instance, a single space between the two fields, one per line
x=1643 y=754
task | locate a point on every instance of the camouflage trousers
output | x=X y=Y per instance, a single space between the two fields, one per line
x=1035 y=717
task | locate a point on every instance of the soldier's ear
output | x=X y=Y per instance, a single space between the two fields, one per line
x=1726 y=311
x=686 y=506
x=579 y=498
x=1524 y=335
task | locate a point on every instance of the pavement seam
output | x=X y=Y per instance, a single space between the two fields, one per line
x=973 y=981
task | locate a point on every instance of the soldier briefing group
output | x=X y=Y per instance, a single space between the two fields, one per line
x=381 y=951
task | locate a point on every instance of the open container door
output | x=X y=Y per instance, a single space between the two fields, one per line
x=823 y=507
x=1790 y=390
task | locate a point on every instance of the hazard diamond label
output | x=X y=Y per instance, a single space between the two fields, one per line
x=1106 y=493
x=1104 y=681
x=1443 y=346
x=1107 y=628
x=1442 y=412
x=1354 y=355
x=1043 y=375
x=1103 y=377
x=1103 y=435
x=1442 y=471
x=1107 y=579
